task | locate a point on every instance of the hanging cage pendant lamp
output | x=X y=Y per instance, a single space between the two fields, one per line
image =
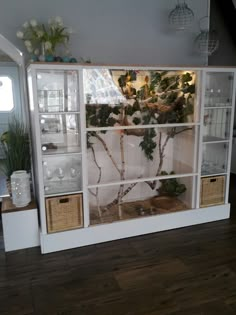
x=206 y=42
x=181 y=17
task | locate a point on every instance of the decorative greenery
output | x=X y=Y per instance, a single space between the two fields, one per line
x=35 y=35
x=148 y=145
x=149 y=98
x=165 y=97
x=170 y=187
x=15 y=143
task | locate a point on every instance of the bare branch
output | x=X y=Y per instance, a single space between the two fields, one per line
x=108 y=151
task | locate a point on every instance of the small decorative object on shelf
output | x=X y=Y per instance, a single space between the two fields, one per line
x=20 y=187
x=42 y=40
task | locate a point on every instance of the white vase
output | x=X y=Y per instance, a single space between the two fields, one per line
x=20 y=186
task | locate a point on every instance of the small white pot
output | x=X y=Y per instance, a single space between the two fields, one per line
x=20 y=186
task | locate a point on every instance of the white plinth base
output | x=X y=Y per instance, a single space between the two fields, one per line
x=118 y=230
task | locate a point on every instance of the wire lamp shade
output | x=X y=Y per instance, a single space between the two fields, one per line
x=207 y=41
x=181 y=17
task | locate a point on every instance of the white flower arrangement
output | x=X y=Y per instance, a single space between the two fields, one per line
x=38 y=37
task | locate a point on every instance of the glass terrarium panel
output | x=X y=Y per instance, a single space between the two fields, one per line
x=214 y=158
x=62 y=174
x=128 y=154
x=216 y=124
x=138 y=97
x=59 y=133
x=136 y=200
x=57 y=91
x=219 y=89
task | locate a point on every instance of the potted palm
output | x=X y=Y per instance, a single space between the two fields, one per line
x=16 y=147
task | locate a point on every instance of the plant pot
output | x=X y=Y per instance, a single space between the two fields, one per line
x=20 y=186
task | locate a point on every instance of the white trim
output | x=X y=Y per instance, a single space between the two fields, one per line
x=202 y=99
x=84 y=152
x=14 y=53
x=118 y=230
x=59 y=113
x=217 y=107
x=142 y=126
x=231 y=138
x=217 y=141
x=142 y=180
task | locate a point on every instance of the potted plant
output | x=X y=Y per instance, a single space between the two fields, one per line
x=16 y=147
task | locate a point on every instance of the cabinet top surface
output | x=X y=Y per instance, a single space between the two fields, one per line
x=7 y=206
x=41 y=65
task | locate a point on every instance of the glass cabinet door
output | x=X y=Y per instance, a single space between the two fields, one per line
x=219 y=89
x=57 y=91
x=62 y=174
x=59 y=126
x=59 y=133
x=217 y=113
x=216 y=124
x=58 y=111
x=215 y=156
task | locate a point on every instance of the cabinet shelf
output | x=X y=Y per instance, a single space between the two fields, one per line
x=59 y=113
x=218 y=107
x=213 y=174
x=211 y=139
x=64 y=193
x=62 y=152
x=65 y=186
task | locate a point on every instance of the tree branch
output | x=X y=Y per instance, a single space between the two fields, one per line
x=108 y=152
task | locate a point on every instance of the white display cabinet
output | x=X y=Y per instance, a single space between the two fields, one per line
x=146 y=148
x=57 y=153
x=218 y=114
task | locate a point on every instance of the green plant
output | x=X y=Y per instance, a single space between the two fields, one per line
x=35 y=34
x=170 y=186
x=16 y=147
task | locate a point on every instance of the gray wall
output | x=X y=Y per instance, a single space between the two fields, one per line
x=111 y=31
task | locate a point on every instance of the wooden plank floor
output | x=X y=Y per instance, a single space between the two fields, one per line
x=188 y=271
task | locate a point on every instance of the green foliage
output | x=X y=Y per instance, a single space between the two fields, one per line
x=148 y=144
x=127 y=77
x=189 y=89
x=186 y=78
x=101 y=116
x=155 y=77
x=116 y=110
x=129 y=110
x=16 y=147
x=136 y=121
x=170 y=187
x=169 y=82
x=35 y=34
x=172 y=96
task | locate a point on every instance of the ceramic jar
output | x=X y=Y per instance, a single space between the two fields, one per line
x=20 y=186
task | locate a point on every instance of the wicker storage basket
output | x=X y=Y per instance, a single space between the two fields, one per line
x=64 y=213
x=212 y=191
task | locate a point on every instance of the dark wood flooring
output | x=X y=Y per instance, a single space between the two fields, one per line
x=188 y=271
